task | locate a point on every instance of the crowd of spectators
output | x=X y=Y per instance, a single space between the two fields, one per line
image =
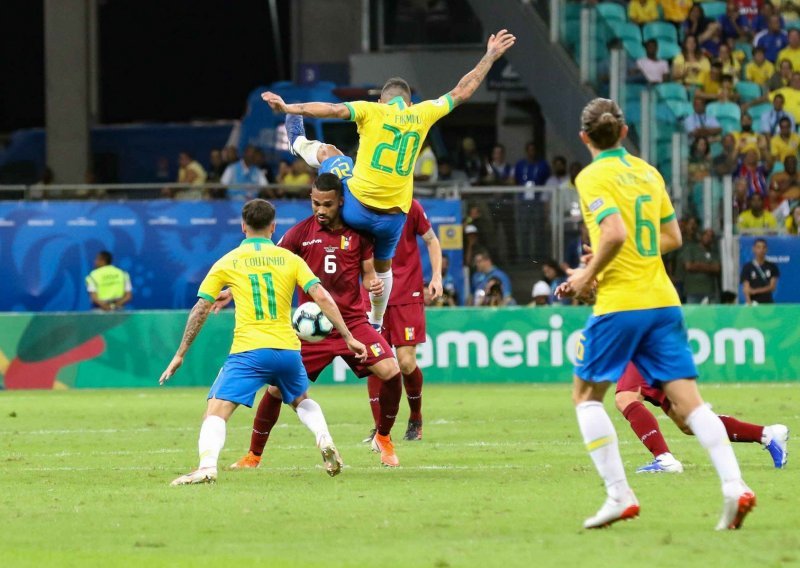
x=741 y=72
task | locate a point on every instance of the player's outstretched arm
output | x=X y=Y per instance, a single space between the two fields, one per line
x=435 y=254
x=323 y=299
x=316 y=110
x=197 y=317
x=497 y=45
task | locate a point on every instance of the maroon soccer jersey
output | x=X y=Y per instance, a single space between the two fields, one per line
x=407 y=266
x=335 y=257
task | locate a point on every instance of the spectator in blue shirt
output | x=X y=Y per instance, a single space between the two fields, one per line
x=531 y=169
x=244 y=172
x=732 y=24
x=488 y=281
x=773 y=39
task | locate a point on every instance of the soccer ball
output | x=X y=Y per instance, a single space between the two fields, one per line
x=310 y=324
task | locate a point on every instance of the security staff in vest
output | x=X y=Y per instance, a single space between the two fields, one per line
x=109 y=287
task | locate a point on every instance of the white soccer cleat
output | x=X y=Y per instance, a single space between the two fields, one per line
x=665 y=463
x=735 y=508
x=776 y=437
x=200 y=475
x=330 y=456
x=613 y=511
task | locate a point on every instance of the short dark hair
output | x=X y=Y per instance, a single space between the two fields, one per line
x=602 y=121
x=396 y=86
x=728 y=297
x=786 y=120
x=779 y=96
x=759 y=50
x=483 y=252
x=759 y=240
x=328 y=182
x=258 y=214
x=106 y=256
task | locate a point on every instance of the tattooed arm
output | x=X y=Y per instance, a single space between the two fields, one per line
x=317 y=110
x=497 y=45
x=197 y=317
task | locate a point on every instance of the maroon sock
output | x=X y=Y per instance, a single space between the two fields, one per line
x=391 y=392
x=741 y=431
x=645 y=425
x=374 y=390
x=269 y=409
x=413 y=385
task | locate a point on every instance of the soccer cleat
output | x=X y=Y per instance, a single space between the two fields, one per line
x=613 y=511
x=200 y=475
x=778 y=436
x=330 y=456
x=294 y=129
x=414 y=430
x=383 y=444
x=247 y=462
x=735 y=509
x=664 y=463
x=368 y=439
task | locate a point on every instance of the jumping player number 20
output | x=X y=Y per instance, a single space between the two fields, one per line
x=399 y=145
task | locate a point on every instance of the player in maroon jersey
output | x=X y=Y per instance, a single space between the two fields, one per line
x=632 y=389
x=404 y=322
x=338 y=255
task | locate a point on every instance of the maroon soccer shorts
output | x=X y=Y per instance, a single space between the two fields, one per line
x=404 y=324
x=317 y=356
x=633 y=381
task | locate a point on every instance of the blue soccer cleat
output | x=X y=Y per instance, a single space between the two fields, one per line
x=294 y=129
x=665 y=463
x=777 y=436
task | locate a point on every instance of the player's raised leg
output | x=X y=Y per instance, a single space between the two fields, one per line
x=600 y=440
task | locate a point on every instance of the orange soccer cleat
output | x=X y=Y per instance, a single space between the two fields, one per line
x=249 y=461
x=384 y=445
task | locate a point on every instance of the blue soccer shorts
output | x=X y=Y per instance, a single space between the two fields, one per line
x=654 y=339
x=243 y=374
x=386 y=228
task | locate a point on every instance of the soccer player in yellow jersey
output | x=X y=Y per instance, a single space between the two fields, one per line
x=265 y=350
x=391 y=133
x=637 y=315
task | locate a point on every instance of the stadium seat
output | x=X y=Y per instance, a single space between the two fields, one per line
x=612 y=12
x=729 y=124
x=660 y=31
x=672 y=92
x=668 y=49
x=756 y=112
x=795 y=25
x=748 y=91
x=747 y=49
x=626 y=31
x=713 y=10
x=726 y=110
x=634 y=49
x=681 y=109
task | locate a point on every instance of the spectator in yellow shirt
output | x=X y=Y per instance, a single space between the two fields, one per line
x=792 y=51
x=711 y=86
x=756 y=219
x=759 y=70
x=793 y=221
x=296 y=175
x=746 y=139
x=676 y=11
x=788 y=9
x=785 y=143
x=730 y=65
x=189 y=172
x=643 y=11
x=781 y=77
x=791 y=96
x=691 y=65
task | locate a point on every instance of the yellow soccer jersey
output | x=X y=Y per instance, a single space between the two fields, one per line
x=262 y=278
x=390 y=138
x=616 y=182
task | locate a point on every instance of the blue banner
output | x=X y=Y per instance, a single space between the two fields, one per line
x=785 y=253
x=48 y=248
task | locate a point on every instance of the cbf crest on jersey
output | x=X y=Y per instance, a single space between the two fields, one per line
x=345 y=243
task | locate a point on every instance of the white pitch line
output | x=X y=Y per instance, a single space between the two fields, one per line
x=300 y=468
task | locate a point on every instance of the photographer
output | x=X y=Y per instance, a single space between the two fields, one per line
x=490 y=285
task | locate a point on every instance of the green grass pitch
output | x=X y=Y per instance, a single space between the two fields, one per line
x=501 y=479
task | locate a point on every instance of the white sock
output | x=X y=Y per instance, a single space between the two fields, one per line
x=710 y=432
x=307 y=149
x=310 y=414
x=379 y=302
x=600 y=439
x=212 y=438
